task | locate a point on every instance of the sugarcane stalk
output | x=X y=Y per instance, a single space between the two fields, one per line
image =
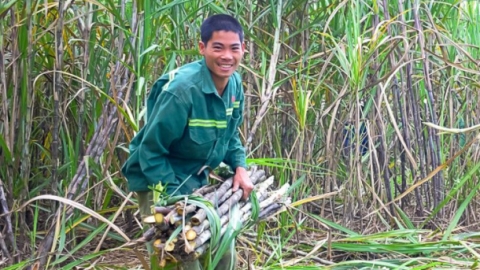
x=162 y=209
x=198 y=229
x=201 y=215
x=199 y=251
x=148 y=235
x=206 y=189
x=176 y=219
x=196 y=234
x=162 y=230
x=210 y=192
x=228 y=184
x=243 y=205
x=221 y=190
x=275 y=196
x=272 y=208
x=205 y=234
x=235 y=198
x=268 y=210
x=212 y=195
x=169 y=246
x=261 y=191
x=272 y=212
x=156 y=218
x=225 y=196
x=186 y=209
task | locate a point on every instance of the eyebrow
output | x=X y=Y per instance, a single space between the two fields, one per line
x=221 y=44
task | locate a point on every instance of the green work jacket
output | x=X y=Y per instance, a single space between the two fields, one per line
x=189 y=127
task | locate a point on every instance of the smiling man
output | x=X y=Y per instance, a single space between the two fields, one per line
x=193 y=116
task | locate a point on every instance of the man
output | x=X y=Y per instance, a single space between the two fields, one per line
x=193 y=115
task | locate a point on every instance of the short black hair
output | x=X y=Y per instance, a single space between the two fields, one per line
x=220 y=22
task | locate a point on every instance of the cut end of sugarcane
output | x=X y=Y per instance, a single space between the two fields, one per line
x=170 y=246
x=195 y=221
x=157 y=245
x=162 y=263
x=156 y=218
x=170 y=258
x=149 y=219
x=191 y=235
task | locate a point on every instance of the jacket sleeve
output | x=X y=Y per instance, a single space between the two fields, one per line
x=160 y=132
x=235 y=155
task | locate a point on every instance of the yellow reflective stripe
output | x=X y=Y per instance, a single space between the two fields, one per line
x=229 y=111
x=207 y=123
x=236 y=104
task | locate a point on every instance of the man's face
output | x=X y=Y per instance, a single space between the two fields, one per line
x=223 y=53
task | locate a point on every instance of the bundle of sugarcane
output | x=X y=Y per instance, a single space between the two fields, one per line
x=185 y=227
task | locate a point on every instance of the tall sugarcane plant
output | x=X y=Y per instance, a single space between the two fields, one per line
x=368 y=108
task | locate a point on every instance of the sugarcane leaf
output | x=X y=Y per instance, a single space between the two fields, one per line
x=227 y=242
x=460 y=212
x=158 y=191
x=212 y=217
x=175 y=233
x=296 y=183
x=5 y=6
x=255 y=211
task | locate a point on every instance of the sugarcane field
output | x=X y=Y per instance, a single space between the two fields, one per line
x=219 y=135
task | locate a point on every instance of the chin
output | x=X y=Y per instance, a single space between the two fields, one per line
x=224 y=74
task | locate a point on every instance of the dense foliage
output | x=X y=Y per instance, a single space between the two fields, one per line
x=339 y=97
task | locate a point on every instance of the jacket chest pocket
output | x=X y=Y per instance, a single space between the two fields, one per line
x=201 y=143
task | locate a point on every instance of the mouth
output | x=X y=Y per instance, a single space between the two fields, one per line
x=225 y=67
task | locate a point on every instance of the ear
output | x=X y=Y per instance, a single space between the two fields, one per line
x=201 y=47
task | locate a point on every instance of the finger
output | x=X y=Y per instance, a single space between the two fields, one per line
x=235 y=186
x=246 y=193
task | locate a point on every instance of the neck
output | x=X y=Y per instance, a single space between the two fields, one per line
x=220 y=90
x=220 y=85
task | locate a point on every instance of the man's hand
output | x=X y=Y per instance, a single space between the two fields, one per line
x=242 y=180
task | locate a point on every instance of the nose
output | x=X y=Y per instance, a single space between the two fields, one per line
x=227 y=55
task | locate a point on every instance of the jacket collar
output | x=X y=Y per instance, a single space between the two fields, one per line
x=208 y=85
